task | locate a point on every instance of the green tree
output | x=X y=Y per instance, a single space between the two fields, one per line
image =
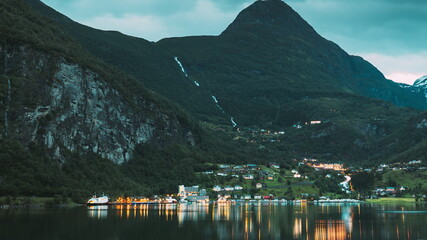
x=363 y=182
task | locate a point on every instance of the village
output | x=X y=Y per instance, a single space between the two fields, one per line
x=292 y=182
x=300 y=180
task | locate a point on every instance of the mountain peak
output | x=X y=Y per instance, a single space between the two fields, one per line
x=272 y=16
x=421 y=82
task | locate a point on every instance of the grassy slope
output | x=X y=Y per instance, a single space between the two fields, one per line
x=409 y=180
x=391 y=200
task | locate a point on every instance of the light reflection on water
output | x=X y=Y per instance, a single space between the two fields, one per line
x=98 y=211
x=255 y=220
x=280 y=221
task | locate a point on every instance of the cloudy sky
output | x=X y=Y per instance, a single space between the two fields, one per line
x=391 y=34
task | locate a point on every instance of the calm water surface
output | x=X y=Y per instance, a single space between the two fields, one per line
x=197 y=221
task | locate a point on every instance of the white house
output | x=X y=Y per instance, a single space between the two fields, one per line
x=216 y=188
x=297 y=175
x=275 y=165
x=248 y=177
x=414 y=162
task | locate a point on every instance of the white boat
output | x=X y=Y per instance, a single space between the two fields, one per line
x=98 y=200
x=221 y=200
x=170 y=200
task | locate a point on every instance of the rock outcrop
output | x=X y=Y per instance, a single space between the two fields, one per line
x=69 y=108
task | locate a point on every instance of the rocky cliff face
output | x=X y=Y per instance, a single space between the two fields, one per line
x=69 y=108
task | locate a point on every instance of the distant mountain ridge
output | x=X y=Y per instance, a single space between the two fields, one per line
x=421 y=82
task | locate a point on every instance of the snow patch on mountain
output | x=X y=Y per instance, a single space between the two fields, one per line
x=421 y=85
x=404 y=85
x=421 y=82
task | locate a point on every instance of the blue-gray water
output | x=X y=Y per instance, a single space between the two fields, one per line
x=197 y=221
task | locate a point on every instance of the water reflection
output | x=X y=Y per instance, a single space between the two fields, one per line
x=258 y=220
x=98 y=212
x=192 y=212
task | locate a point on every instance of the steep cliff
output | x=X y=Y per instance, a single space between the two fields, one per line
x=54 y=94
x=68 y=107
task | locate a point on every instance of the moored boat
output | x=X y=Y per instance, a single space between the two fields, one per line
x=170 y=200
x=98 y=200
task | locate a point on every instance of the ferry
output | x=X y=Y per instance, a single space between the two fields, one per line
x=98 y=200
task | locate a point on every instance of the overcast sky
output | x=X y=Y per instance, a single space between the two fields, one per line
x=391 y=34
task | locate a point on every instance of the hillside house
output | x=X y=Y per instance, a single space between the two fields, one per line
x=274 y=165
x=217 y=188
x=248 y=177
x=414 y=162
x=390 y=190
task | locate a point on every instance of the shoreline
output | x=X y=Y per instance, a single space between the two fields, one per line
x=386 y=200
x=43 y=202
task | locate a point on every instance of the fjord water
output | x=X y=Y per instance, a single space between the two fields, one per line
x=204 y=221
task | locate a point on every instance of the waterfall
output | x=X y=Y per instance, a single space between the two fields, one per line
x=233 y=122
x=214 y=98
x=222 y=110
x=198 y=85
x=182 y=67
x=185 y=72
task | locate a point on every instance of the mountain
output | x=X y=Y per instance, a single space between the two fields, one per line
x=53 y=97
x=266 y=59
x=155 y=68
x=421 y=85
x=420 y=82
x=269 y=57
x=91 y=109
x=269 y=68
x=69 y=120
